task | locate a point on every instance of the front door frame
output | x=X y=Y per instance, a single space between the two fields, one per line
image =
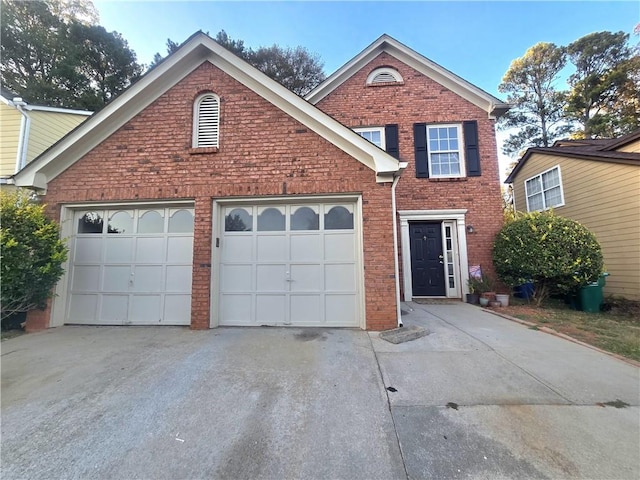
x=454 y=218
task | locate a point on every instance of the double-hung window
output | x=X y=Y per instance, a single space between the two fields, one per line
x=446 y=153
x=544 y=191
x=374 y=134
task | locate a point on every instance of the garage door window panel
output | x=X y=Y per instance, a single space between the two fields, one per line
x=181 y=221
x=338 y=217
x=120 y=223
x=151 y=221
x=305 y=218
x=271 y=219
x=238 y=220
x=91 y=222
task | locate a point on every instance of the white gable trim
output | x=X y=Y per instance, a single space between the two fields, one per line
x=198 y=49
x=492 y=105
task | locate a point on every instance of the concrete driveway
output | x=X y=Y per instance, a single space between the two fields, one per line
x=162 y=402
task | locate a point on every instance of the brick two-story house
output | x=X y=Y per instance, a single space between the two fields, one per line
x=207 y=194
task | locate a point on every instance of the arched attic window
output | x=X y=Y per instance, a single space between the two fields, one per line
x=384 y=75
x=206 y=121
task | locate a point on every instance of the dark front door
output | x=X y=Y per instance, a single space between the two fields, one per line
x=427 y=262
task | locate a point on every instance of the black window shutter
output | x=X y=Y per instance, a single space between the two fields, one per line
x=391 y=140
x=472 y=152
x=422 y=155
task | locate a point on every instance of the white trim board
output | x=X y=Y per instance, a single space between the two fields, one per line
x=461 y=263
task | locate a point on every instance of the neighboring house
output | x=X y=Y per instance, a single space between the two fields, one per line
x=597 y=183
x=28 y=130
x=207 y=194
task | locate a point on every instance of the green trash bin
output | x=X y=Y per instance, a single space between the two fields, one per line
x=591 y=296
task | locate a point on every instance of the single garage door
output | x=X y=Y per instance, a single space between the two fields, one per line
x=289 y=265
x=131 y=266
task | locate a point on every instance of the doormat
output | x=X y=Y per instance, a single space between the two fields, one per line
x=404 y=334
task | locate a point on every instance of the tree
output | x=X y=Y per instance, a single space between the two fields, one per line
x=52 y=54
x=32 y=254
x=530 y=83
x=295 y=68
x=605 y=86
x=557 y=254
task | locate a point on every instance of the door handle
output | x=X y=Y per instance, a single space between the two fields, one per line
x=288 y=277
x=440 y=257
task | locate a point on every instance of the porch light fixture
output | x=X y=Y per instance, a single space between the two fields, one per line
x=470 y=229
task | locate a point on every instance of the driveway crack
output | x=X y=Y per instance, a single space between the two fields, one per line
x=393 y=420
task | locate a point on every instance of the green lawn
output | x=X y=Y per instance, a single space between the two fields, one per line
x=616 y=330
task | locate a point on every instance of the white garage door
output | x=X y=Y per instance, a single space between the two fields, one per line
x=289 y=265
x=131 y=267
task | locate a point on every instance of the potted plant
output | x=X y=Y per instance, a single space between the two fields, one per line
x=474 y=284
x=481 y=287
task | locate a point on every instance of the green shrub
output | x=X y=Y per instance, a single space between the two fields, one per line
x=32 y=254
x=557 y=254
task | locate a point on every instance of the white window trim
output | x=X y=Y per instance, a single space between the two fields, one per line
x=544 y=202
x=196 y=120
x=383 y=140
x=384 y=70
x=460 y=151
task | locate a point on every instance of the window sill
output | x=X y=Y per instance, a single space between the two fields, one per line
x=448 y=179
x=384 y=84
x=201 y=150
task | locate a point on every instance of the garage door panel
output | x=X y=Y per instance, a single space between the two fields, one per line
x=147 y=279
x=88 y=250
x=178 y=279
x=237 y=248
x=236 y=278
x=340 y=310
x=236 y=309
x=135 y=270
x=306 y=278
x=271 y=278
x=86 y=278
x=300 y=266
x=145 y=309
x=83 y=308
x=270 y=309
x=115 y=309
x=177 y=310
x=118 y=249
x=306 y=248
x=340 y=278
x=150 y=250
x=179 y=249
x=272 y=248
x=340 y=247
x=116 y=278
x=307 y=309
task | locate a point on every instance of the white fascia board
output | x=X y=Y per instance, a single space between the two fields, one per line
x=68 y=111
x=468 y=91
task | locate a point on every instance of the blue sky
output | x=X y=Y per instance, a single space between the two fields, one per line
x=475 y=40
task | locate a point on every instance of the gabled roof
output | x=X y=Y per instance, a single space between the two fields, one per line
x=493 y=106
x=196 y=50
x=602 y=150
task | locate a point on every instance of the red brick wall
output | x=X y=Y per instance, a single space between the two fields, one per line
x=262 y=152
x=419 y=100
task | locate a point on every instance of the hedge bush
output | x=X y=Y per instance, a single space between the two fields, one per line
x=557 y=254
x=31 y=254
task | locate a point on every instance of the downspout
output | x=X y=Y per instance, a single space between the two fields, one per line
x=25 y=126
x=396 y=264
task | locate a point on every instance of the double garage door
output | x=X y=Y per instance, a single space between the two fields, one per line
x=289 y=265
x=131 y=267
x=276 y=264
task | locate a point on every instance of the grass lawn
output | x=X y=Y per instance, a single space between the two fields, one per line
x=616 y=330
